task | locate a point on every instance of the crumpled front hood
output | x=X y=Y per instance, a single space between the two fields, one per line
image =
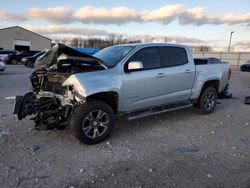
x=60 y=52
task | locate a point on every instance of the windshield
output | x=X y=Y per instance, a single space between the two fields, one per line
x=20 y=53
x=112 y=55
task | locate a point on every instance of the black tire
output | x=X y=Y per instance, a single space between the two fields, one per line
x=88 y=127
x=30 y=64
x=13 y=62
x=207 y=101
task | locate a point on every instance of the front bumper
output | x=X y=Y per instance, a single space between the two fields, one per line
x=24 y=105
x=2 y=66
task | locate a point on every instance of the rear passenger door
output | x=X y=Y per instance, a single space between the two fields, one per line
x=144 y=88
x=179 y=73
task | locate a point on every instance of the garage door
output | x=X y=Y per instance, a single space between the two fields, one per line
x=21 y=45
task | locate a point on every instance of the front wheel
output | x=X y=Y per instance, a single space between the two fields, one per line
x=208 y=100
x=93 y=122
x=30 y=64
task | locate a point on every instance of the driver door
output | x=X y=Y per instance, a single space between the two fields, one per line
x=144 y=88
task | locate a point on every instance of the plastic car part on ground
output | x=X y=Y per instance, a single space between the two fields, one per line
x=191 y=148
x=247 y=100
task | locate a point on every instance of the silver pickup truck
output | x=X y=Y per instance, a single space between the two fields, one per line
x=135 y=80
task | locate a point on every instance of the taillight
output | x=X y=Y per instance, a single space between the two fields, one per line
x=229 y=74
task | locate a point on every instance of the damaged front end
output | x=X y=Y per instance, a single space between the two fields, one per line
x=50 y=102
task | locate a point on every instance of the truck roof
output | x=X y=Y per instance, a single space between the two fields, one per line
x=152 y=44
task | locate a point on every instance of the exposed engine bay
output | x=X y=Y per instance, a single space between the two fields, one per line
x=50 y=102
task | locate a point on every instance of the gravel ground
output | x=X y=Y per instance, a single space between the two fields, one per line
x=177 y=149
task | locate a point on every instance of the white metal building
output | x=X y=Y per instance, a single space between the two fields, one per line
x=21 y=39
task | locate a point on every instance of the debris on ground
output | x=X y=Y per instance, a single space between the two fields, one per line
x=209 y=175
x=228 y=95
x=188 y=149
x=20 y=180
x=247 y=100
x=36 y=147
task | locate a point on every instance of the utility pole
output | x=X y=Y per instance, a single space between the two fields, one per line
x=166 y=39
x=230 y=40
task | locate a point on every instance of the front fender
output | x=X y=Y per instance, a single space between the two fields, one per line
x=86 y=84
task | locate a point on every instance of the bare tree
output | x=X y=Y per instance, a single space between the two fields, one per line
x=119 y=39
x=75 y=42
x=205 y=48
x=201 y=48
x=166 y=39
x=112 y=39
x=64 y=41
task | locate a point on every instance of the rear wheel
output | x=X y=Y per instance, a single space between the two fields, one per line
x=93 y=122
x=207 y=101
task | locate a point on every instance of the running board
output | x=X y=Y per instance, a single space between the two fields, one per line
x=154 y=111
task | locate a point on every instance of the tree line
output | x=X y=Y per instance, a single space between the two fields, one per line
x=100 y=43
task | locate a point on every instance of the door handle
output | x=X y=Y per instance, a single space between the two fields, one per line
x=187 y=71
x=159 y=75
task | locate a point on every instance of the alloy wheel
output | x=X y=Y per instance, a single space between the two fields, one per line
x=95 y=123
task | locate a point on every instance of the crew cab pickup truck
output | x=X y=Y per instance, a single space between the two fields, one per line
x=135 y=80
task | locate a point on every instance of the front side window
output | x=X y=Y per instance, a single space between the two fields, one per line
x=150 y=58
x=174 y=55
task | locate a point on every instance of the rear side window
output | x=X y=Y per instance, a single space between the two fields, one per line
x=174 y=56
x=150 y=57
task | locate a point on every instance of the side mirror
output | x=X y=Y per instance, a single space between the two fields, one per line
x=135 y=65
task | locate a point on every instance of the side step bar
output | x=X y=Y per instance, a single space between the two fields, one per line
x=154 y=111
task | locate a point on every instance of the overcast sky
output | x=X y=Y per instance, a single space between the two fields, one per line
x=191 y=22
